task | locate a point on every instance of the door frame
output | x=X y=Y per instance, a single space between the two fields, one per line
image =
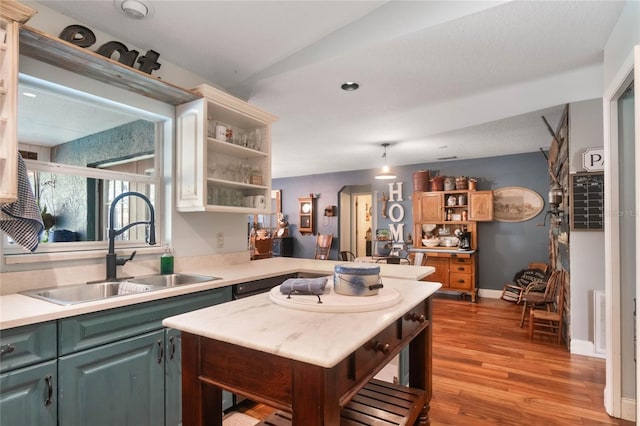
x=614 y=403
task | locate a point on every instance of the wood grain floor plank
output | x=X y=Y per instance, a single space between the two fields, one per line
x=486 y=372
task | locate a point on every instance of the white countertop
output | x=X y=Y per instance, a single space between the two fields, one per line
x=18 y=310
x=318 y=338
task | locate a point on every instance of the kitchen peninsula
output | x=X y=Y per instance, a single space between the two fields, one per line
x=70 y=350
x=17 y=310
x=310 y=364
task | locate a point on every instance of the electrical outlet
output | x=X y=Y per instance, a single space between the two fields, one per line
x=220 y=236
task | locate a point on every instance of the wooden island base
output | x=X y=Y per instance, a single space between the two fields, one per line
x=377 y=403
x=319 y=368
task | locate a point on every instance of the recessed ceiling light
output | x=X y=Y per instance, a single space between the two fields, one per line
x=136 y=9
x=350 y=86
x=29 y=94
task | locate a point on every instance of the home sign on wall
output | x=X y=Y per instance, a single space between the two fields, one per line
x=396 y=211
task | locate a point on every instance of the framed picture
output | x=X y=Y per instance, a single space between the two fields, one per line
x=383 y=235
x=516 y=204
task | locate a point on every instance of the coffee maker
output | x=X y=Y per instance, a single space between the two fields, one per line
x=464 y=240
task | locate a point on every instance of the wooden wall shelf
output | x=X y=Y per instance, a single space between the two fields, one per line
x=60 y=53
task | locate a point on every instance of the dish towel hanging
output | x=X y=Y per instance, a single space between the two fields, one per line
x=21 y=220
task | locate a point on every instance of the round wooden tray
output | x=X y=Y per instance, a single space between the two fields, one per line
x=333 y=302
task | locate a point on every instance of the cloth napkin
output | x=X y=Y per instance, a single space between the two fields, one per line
x=304 y=285
x=21 y=220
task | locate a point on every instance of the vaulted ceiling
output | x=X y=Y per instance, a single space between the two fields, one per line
x=438 y=79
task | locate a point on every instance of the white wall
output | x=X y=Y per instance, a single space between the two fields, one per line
x=618 y=60
x=191 y=234
x=587 y=248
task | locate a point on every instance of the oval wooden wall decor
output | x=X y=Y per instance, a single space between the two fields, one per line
x=516 y=204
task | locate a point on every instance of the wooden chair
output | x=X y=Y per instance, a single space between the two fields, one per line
x=541 y=294
x=323 y=246
x=549 y=322
x=419 y=258
x=513 y=291
x=347 y=256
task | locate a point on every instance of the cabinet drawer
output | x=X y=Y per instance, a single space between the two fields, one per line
x=460 y=281
x=31 y=344
x=90 y=330
x=461 y=260
x=460 y=268
x=413 y=320
x=373 y=353
x=385 y=345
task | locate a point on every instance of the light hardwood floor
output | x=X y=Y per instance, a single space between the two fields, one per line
x=486 y=371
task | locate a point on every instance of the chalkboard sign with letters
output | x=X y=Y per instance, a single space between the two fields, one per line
x=587 y=202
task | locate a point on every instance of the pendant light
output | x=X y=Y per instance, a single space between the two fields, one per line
x=385 y=173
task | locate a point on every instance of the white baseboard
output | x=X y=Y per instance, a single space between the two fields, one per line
x=628 y=408
x=490 y=294
x=586 y=348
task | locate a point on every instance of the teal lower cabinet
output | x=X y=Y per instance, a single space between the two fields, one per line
x=122 y=367
x=119 y=383
x=28 y=396
x=115 y=367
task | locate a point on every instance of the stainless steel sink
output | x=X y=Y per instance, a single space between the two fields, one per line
x=80 y=293
x=171 y=280
x=72 y=294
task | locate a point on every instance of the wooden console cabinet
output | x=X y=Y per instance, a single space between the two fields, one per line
x=455 y=271
x=436 y=211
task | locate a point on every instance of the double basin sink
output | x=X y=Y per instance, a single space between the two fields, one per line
x=79 y=293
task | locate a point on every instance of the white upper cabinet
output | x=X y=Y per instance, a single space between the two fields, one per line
x=8 y=111
x=223 y=155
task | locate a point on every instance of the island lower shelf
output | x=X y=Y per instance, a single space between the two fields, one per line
x=377 y=401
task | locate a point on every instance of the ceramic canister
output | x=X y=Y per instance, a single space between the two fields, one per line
x=421 y=181
x=449 y=183
x=437 y=183
x=356 y=279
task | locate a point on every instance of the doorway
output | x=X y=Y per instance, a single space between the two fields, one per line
x=622 y=247
x=356 y=204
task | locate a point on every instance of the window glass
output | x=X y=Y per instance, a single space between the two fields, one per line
x=81 y=152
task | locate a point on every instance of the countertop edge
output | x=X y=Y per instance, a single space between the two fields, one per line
x=19 y=310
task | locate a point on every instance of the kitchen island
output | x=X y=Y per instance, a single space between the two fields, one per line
x=310 y=364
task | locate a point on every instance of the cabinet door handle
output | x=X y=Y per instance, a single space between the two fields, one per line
x=49 y=380
x=7 y=349
x=160 y=351
x=460 y=268
x=416 y=317
x=381 y=347
x=172 y=347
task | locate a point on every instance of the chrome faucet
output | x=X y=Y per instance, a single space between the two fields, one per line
x=112 y=260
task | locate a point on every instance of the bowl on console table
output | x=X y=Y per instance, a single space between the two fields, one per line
x=431 y=242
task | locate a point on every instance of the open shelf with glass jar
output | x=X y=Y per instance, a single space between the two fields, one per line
x=223 y=155
x=440 y=213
